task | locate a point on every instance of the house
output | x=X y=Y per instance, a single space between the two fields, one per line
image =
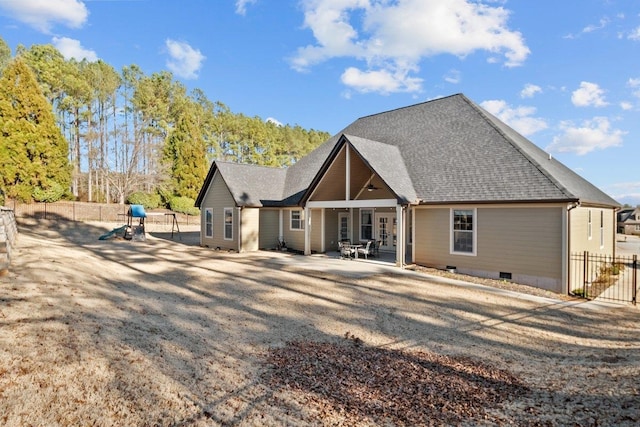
x=442 y=184
x=629 y=221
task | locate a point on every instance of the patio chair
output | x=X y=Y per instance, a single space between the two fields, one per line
x=346 y=251
x=367 y=249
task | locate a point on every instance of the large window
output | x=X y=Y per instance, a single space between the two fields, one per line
x=228 y=223
x=297 y=220
x=463 y=231
x=208 y=222
x=366 y=224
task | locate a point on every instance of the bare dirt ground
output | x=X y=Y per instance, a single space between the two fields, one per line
x=164 y=332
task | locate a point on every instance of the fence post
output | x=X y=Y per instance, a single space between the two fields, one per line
x=634 y=292
x=585 y=263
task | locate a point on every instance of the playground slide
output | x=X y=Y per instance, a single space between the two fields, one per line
x=113 y=233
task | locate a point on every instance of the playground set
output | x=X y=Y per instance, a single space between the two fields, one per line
x=137 y=232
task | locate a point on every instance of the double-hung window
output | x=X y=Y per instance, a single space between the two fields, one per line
x=228 y=223
x=366 y=224
x=463 y=229
x=297 y=220
x=208 y=222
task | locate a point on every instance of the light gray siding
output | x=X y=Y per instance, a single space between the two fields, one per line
x=523 y=241
x=250 y=232
x=269 y=228
x=218 y=197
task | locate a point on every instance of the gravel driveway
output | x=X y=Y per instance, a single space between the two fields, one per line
x=164 y=332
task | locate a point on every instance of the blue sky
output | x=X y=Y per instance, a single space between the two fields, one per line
x=566 y=74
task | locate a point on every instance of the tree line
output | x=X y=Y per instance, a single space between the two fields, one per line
x=82 y=130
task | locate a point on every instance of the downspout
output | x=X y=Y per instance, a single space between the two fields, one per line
x=240 y=249
x=568 y=255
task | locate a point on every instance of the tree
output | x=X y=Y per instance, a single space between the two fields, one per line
x=5 y=55
x=185 y=154
x=33 y=151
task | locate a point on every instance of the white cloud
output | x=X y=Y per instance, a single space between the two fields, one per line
x=393 y=37
x=635 y=34
x=594 y=27
x=595 y=134
x=589 y=94
x=453 y=77
x=43 y=14
x=625 y=192
x=70 y=48
x=383 y=81
x=274 y=121
x=184 y=61
x=241 y=6
x=520 y=118
x=625 y=105
x=634 y=84
x=530 y=90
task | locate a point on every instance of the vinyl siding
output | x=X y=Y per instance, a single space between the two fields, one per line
x=294 y=238
x=250 y=229
x=526 y=242
x=269 y=228
x=316 y=231
x=331 y=229
x=579 y=234
x=218 y=197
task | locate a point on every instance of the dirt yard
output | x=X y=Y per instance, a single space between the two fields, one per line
x=164 y=332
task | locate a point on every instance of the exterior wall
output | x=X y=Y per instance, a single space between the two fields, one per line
x=294 y=238
x=218 y=197
x=579 y=230
x=331 y=229
x=250 y=232
x=316 y=231
x=524 y=241
x=269 y=228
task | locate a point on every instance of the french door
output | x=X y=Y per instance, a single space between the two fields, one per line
x=386 y=231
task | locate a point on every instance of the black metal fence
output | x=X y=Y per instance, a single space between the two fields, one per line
x=604 y=277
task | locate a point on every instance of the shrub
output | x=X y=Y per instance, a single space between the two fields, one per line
x=148 y=200
x=53 y=193
x=185 y=205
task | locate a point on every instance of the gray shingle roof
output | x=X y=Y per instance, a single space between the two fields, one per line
x=250 y=185
x=447 y=150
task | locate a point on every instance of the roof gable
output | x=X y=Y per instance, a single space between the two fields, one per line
x=249 y=185
x=447 y=150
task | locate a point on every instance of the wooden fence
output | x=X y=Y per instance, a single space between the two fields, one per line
x=8 y=233
x=82 y=211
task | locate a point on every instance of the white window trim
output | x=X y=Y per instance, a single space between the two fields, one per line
x=206 y=211
x=301 y=220
x=589 y=226
x=474 y=232
x=224 y=224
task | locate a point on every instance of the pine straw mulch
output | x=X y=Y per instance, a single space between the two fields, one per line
x=354 y=384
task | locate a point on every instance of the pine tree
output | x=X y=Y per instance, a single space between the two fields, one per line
x=185 y=154
x=33 y=152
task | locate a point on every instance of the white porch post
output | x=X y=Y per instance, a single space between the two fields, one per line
x=400 y=232
x=307 y=231
x=280 y=225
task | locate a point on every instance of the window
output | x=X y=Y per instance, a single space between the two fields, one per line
x=366 y=224
x=601 y=229
x=208 y=222
x=589 y=226
x=228 y=223
x=463 y=231
x=297 y=220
